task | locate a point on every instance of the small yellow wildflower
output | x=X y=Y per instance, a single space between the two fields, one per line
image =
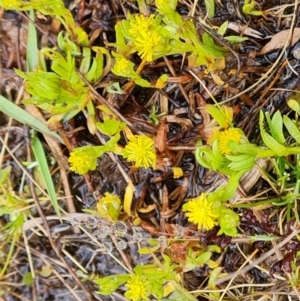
x=225 y=136
x=199 y=211
x=109 y=206
x=123 y=67
x=145 y=44
x=140 y=149
x=137 y=289
x=140 y=23
x=82 y=160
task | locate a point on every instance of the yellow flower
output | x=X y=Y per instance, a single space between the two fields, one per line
x=109 y=206
x=225 y=136
x=137 y=289
x=83 y=159
x=140 y=149
x=140 y=24
x=199 y=211
x=145 y=45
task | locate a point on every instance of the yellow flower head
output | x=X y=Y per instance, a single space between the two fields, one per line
x=140 y=23
x=137 y=289
x=199 y=211
x=145 y=44
x=140 y=149
x=225 y=136
x=83 y=159
x=109 y=206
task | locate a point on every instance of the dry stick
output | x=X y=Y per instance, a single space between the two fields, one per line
x=231 y=280
x=53 y=245
x=174 y=74
x=24 y=170
x=30 y=261
x=49 y=262
x=122 y=253
x=258 y=260
x=279 y=257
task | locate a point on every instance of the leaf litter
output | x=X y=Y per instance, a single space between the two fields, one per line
x=91 y=244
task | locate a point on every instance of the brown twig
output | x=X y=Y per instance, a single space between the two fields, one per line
x=259 y=260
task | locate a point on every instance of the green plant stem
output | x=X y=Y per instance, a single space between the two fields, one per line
x=140 y=68
x=9 y=255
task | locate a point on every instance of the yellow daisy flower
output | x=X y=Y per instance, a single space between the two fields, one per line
x=140 y=24
x=140 y=149
x=145 y=44
x=137 y=289
x=199 y=211
x=225 y=136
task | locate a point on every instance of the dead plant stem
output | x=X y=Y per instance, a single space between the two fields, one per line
x=260 y=259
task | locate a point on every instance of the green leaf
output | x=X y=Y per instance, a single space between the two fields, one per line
x=86 y=61
x=39 y=154
x=235 y=39
x=200 y=156
x=218 y=115
x=213 y=277
x=115 y=89
x=109 y=126
x=27 y=279
x=210 y=8
x=277 y=126
x=241 y=162
x=4 y=173
x=269 y=141
x=222 y=29
x=211 y=47
x=232 y=185
x=294 y=105
x=96 y=70
x=249 y=8
x=203 y=258
x=292 y=128
x=263 y=237
x=109 y=284
x=32 y=45
x=148 y=250
x=23 y=117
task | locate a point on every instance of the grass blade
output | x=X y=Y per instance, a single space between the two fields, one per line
x=23 y=117
x=39 y=154
x=32 y=48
